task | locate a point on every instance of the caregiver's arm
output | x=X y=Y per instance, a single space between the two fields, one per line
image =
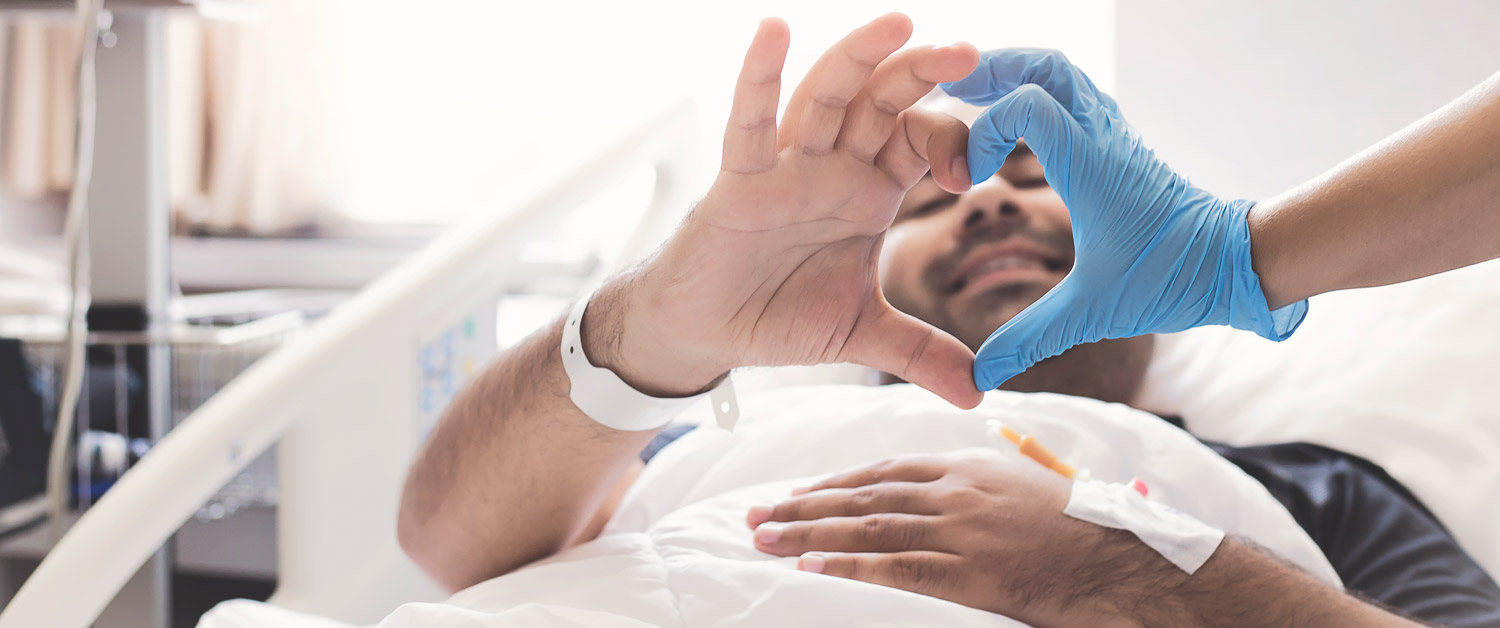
x=1156 y=254
x=775 y=266
x=1423 y=201
x=988 y=531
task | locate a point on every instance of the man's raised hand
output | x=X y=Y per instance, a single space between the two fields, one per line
x=777 y=264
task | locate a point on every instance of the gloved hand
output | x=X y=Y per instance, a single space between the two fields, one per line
x=1153 y=253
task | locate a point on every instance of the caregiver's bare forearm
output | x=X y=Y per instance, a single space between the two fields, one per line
x=1423 y=201
x=513 y=472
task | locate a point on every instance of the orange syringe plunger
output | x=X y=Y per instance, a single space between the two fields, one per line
x=1033 y=449
x=1010 y=434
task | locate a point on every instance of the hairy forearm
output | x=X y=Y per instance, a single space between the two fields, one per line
x=513 y=472
x=1241 y=587
x=1424 y=201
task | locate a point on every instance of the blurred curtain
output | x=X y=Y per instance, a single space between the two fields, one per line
x=246 y=150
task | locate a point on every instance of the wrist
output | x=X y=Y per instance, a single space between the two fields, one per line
x=1251 y=301
x=618 y=334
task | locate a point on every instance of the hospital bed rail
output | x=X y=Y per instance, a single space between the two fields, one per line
x=340 y=402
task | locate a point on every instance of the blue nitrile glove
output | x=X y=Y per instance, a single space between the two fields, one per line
x=1153 y=253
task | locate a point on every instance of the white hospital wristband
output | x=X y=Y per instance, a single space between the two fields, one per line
x=606 y=398
x=1183 y=540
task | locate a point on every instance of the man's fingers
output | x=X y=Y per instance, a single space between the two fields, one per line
x=1045 y=328
x=930 y=573
x=1028 y=112
x=923 y=140
x=750 y=139
x=895 y=342
x=904 y=469
x=895 y=85
x=891 y=497
x=815 y=112
x=871 y=533
x=1002 y=71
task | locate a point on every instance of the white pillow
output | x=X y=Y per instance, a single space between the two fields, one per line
x=1407 y=376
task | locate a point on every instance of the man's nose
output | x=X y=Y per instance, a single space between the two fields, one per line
x=990 y=204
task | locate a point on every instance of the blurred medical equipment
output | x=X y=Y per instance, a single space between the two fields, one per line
x=1154 y=253
x=115 y=238
x=349 y=400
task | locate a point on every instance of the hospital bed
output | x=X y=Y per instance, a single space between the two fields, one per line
x=348 y=402
x=1402 y=376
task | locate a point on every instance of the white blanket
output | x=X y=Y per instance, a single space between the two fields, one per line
x=678 y=553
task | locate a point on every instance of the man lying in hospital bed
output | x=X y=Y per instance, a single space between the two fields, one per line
x=912 y=511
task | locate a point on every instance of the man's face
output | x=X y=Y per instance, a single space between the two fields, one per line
x=968 y=263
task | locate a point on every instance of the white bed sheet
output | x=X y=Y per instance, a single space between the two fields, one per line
x=678 y=553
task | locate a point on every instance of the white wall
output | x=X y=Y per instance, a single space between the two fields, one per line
x=1249 y=98
x=446 y=108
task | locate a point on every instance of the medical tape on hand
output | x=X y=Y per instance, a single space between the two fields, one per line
x=1183 y=540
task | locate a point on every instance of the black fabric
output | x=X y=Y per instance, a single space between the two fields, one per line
x=1381 y=540
x=1385 y=545
x=24 y=441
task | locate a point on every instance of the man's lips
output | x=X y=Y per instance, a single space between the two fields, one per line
x=1008 y=262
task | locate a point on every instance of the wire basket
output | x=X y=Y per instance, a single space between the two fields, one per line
x=208 y=347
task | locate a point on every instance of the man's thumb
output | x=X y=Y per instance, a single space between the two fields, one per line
x=899 y=344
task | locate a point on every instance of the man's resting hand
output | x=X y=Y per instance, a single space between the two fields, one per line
x=971 y=527
x=777 y=264
x=988 y=531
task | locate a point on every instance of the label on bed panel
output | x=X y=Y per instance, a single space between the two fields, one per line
x=447 y=358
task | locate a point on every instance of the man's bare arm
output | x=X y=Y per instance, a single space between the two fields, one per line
x=514 y=472
x=1240 y=587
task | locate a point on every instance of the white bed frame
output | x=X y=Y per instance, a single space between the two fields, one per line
x=341 y=402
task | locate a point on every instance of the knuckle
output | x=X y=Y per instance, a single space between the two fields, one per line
x=871 y=530
x=757 y=124
x=889 y=533
x=849 y=567
x=832 y=101
x=1031 y=92
x=918 y=574
x=886 y=107
x=952 y=493
x=1054 y=57
x=864 y=497
x=864 y=65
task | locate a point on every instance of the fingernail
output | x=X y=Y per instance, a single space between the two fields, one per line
x=960 y=168
x=768 y=533
x=811 y=562
x=758 y=515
